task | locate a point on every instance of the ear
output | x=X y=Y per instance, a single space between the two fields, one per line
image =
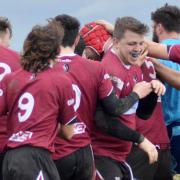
x=160 y=28
x=115 y=42
x=77 y=40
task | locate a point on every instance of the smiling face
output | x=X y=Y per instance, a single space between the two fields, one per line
x=129 y=47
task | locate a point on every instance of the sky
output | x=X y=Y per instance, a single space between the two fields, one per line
x=24 y=14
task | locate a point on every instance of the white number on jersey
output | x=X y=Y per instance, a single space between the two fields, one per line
x=6 y=70
x=27 y=106
x=78 y=96
x=79 y=128
x=148 y=65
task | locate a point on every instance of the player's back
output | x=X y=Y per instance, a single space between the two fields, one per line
x=9 y=62
x=34 y=102
x=89 y=76
x=88 y=85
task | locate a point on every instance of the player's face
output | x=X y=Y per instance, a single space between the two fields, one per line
x=130 y=47
x=5 y=39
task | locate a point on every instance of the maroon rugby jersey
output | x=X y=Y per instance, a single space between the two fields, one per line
x=174 y=53
x=154 y=128
x=90 y=83
x=123 y=78
x=35 y=104
x=9 y=62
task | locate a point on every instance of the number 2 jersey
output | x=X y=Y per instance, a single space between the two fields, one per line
x=90 y=83
x=9 y=62
x=35 y=103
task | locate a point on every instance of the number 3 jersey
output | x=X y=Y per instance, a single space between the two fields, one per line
x=90 y=83
x=9 y=62
x=154 y=129
x=35 y=103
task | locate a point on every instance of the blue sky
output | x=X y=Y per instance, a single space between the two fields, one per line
x=24 y=14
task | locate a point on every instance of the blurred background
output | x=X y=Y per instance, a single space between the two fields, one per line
x=24 y=14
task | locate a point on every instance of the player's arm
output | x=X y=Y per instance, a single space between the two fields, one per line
x=114 y=127
x=165 y=73
x=146 y=106
x=117 y=106
x=162 y=51
x=107 y=25
x=157 y=50
x=3 y=104
x=67 y=131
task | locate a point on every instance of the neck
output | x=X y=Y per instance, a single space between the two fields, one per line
x=120 y=57
x=66 y=50
x=169 y=35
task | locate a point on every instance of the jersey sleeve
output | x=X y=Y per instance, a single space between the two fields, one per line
x=174 y=53
x=148 y=70
x=3 y=92
x=67 y=114
x=105 y=86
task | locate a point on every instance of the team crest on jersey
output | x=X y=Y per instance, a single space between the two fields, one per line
x=66 y=67
x=117 y=82
x=135 y=78
x=79 y=128
x=21 y=136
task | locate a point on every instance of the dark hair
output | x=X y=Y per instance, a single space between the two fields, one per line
x=80 y=46
x=4 y=25
x=168 y=16
x=41 y=45
x=71 y=28
x=131 y=24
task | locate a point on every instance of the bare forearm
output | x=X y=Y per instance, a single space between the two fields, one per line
x=157 y=50
x=168 y=75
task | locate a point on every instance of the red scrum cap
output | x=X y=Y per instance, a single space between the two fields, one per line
x=95 y=36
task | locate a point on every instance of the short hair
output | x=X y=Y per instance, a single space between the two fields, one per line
x=41 y=45
x=131 y=24
x=168 y=16
x=71 y=28
x=80 y=47
x=4 y=25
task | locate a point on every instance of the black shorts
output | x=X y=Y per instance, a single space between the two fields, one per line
x=142 y=170
x=77 y=166
x=1 y=163
x=29 y=163
x=109 y=169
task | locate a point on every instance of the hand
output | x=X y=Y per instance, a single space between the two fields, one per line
x=142 y=57
x=142 y=89
x=66 y=131
x=108 y=26
x=158 y=87
x=150 y=149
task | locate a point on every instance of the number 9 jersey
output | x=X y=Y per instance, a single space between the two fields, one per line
x=35 y=103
